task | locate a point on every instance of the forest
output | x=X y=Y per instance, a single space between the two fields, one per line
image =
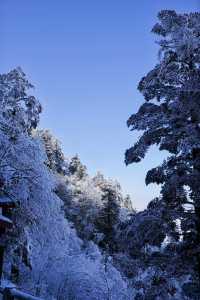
x=67 y=235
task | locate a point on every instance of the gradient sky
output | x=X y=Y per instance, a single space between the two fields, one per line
x=85 y=58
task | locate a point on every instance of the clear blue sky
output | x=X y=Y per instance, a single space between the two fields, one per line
x=85 y=59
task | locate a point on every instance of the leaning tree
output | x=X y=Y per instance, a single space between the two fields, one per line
x=170 y=119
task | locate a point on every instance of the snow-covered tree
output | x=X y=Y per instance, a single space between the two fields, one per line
x=76 y=168
x=127 y=203
x=108 y=215
x=18 y=108
x=19 y=115
x=56 y=160
x=143 y=229
x=170 y=119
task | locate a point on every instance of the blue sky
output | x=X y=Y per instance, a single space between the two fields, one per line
x=85 y=59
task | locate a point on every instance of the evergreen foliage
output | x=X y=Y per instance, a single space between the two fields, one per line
x=170 y=119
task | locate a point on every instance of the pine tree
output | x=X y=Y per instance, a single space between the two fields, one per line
x=77 y=168
x=108 y=216
x=56 y=159
x=170 y=119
